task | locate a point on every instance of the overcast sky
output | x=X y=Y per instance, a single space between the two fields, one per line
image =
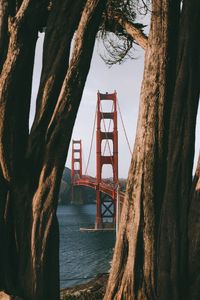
x=126 y=80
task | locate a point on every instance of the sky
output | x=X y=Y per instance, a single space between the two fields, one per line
x=126 y=80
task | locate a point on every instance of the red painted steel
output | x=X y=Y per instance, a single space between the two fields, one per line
x=104 y=187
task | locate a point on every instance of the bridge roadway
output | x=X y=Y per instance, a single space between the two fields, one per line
x=104 y=186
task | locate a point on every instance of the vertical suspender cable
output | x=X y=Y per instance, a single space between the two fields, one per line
x=91 y=144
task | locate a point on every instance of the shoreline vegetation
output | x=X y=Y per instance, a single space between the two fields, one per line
x=92 y=290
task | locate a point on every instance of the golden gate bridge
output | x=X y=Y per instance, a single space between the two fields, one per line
x=109 y=197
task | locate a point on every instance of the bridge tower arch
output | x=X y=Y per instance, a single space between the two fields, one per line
x=102 y=159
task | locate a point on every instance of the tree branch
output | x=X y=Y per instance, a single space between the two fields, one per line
x=135 y=32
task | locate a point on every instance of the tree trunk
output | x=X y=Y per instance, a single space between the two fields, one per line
x=15 y=93
x=134 y=267
x=62 y=23
x=194 y=238
x=173 y=253
x=137 y=35
x=57 y=139
x=32 y=194
x=135 y=273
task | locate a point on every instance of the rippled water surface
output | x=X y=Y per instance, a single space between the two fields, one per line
x=83 y=255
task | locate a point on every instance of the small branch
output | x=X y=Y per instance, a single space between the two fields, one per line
x=25 y=6
x=136 y=33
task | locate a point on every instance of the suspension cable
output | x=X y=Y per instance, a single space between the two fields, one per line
x=83 y=161
x=124 y=127
x=91 y=144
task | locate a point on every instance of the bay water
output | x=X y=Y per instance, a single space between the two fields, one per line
x=83 y=254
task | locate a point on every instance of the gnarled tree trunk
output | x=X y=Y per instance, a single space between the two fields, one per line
x=32 y=164
x=15 y=93
x=151 y=254
x=134 y=267
x=173 y=252
x=194 y=238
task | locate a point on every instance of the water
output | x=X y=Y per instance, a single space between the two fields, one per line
x=83 y=255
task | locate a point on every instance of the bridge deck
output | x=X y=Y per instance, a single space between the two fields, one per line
x=105 y=187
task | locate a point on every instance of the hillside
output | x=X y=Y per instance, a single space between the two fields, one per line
x=65 y=190
x=65 y=187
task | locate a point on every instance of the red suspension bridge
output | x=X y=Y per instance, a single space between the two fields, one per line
x=108 y=194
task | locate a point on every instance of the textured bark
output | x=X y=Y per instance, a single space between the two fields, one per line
x=15 y=92
x=28 y=204
x=20 y=51
x=134 y=267
x=135 y=273
x=57 y=139
x=194 y=238
x=173 y=271
x=62 y=23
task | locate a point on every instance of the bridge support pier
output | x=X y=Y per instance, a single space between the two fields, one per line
x=98 y=223
x=105 y=211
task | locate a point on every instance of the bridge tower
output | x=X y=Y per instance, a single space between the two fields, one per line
x=101 y=159
x=76 y=167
